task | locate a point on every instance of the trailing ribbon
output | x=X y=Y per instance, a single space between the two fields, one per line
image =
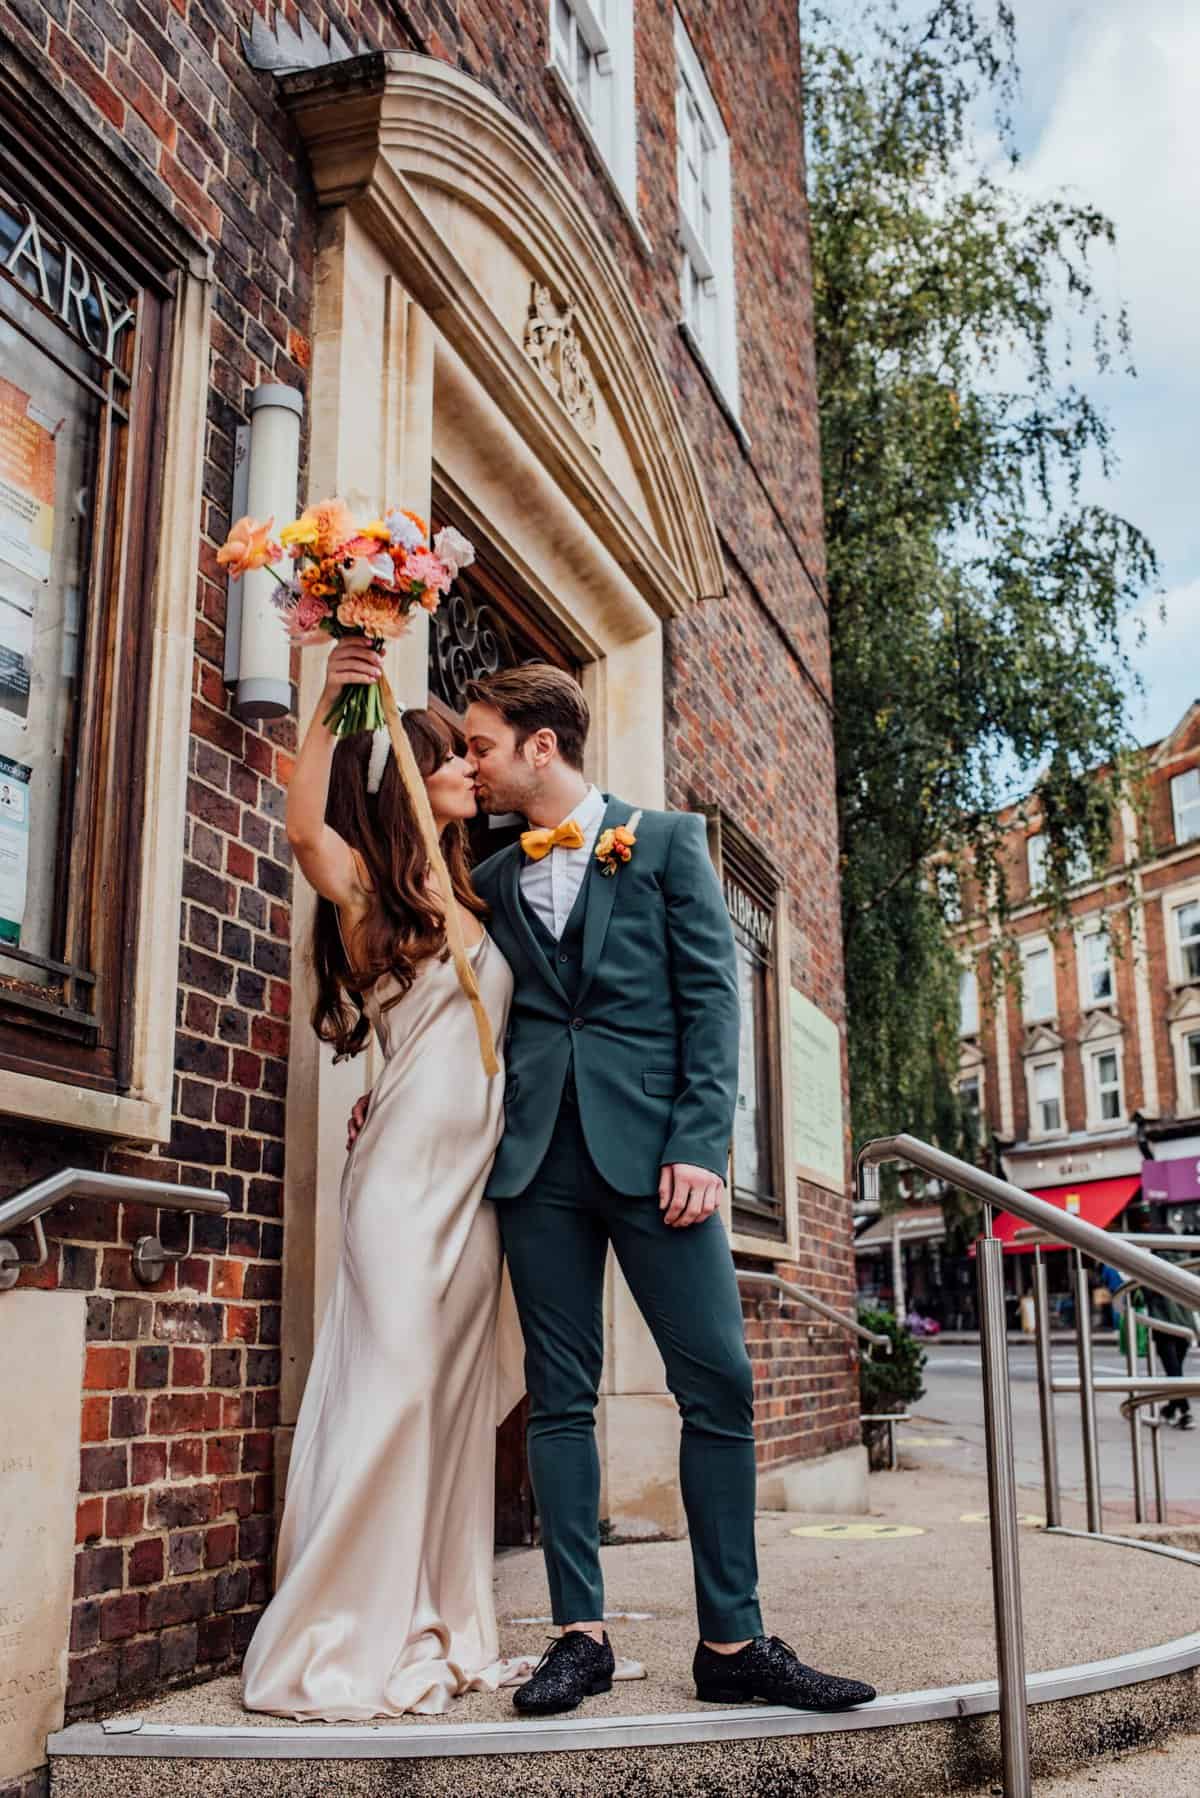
x=411 y=776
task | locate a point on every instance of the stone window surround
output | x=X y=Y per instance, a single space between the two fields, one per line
x=1184 y=1029
x=143 y=1111
x=1033 y=1064
x=720 y=266
x=615 y=60
x=1180 y=806
x=1173 y=899
x=439 y=209
x=1088 y=930
x=1091 y=1052
x=1034 y=945
x=785 y=1247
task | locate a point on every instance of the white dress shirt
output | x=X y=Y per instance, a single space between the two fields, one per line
x=550 y=887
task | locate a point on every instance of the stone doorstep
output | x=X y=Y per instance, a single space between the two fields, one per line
x=905 y=1746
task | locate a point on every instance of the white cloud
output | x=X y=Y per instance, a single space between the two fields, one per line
x=1168 y=661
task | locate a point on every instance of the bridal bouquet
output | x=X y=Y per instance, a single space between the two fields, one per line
x=351 y=580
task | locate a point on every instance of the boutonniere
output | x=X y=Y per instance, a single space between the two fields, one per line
x=615 y=846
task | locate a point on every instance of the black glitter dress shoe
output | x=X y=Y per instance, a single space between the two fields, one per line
x=768 y=1669
x=572 y=1668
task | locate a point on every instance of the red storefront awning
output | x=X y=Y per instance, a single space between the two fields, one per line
x=1095 y=1201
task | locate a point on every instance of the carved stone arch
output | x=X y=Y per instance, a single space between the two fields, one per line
x=416 y=150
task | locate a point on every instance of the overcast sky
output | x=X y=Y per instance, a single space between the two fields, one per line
x=1111 y=109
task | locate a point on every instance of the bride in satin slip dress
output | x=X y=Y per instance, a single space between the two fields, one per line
x=384 y=1598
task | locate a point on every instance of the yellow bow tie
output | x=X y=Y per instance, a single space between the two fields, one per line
x=537 y=843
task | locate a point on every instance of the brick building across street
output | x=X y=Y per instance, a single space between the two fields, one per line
x=542 y=269
x=1086 y=1072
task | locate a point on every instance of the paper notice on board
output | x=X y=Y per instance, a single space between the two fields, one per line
x=14 y=846
x=26 y=483
x=16 y=657
x=817 y=1139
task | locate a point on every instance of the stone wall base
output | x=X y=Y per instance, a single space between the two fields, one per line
x=834 y=1483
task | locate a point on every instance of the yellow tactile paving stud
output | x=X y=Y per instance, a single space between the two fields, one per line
x=857 y=1532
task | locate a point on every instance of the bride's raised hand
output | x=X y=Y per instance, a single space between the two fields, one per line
x=352 y=663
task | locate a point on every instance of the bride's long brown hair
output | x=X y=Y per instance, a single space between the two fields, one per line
x=404 y=926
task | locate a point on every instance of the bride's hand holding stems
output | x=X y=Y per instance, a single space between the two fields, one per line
x=325 y=858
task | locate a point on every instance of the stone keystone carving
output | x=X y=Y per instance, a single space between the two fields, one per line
x=556 y=353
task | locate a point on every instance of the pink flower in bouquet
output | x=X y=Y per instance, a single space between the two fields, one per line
x=426 y=571
x=454 y=550
x=362 y=564
x=304 y=614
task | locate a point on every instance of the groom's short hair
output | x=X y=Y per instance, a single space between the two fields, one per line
x=538 y=696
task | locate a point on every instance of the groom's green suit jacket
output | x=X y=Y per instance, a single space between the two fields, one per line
x=648 y=1020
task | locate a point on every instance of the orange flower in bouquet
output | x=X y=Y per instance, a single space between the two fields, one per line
x=350 y=580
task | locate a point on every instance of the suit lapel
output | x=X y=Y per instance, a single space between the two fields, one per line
x=511 y=891
x=601 y=897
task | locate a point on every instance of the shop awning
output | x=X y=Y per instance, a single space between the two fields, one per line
x=1095 y=1201
x=920 y=1223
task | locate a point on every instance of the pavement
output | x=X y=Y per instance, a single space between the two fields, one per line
x=1170 y=1772
x=901 y=1598
x=947 y=1430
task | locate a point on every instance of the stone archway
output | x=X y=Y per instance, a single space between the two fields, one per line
x=473 y=329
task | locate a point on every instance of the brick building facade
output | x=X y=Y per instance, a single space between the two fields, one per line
x=199 y=188
x=1087 y=1071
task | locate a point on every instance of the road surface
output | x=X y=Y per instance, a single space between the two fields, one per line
x=947 y=1428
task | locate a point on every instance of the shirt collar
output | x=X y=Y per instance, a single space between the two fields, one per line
x=588 y=813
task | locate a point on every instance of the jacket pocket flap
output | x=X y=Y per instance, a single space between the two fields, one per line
x=663 y=1082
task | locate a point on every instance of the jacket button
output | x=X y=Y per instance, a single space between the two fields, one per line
x=577 y=1023
x=564 y=958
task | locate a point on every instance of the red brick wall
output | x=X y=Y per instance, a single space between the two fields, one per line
x=175 y=1503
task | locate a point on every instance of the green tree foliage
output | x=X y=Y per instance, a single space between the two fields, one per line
x=975 y=596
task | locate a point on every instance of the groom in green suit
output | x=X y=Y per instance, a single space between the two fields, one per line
x=622 y=1075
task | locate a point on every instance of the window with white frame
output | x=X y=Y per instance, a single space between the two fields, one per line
x=1191 y=1070
x=1185 y=805
x=968 y=1003
x=1096 y=980
x=1035 y=851
x=1104 y=1074
x=949 y=893
x=592 y=60
x=1037 y=979
x=709 y=302
x=1185 y=922
x=1045 y=1084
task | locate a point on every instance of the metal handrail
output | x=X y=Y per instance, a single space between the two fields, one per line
x=1142 y=1239
x=801 y=1297
x=1181 y=1389
x=1162 y=1328
x=1131 y=1259
x=150 y=1259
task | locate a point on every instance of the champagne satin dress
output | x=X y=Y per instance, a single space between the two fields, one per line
x=383 y=1600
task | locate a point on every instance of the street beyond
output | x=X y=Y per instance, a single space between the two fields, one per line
x=947 y=1430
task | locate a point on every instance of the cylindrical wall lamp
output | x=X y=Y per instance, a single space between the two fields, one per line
x=266 y=470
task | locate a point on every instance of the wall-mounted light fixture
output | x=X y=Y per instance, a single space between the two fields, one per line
x=265 y=472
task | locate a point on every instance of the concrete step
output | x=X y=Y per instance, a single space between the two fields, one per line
x=1111 y=1643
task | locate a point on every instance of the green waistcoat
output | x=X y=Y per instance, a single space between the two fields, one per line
x=648 y=1019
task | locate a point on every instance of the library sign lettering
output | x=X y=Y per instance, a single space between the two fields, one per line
x=64 y=282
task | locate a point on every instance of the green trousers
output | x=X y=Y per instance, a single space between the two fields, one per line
x=556 y=1237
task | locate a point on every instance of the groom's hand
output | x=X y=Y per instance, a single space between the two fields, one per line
x=687 y=1195
x=358 y=1118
